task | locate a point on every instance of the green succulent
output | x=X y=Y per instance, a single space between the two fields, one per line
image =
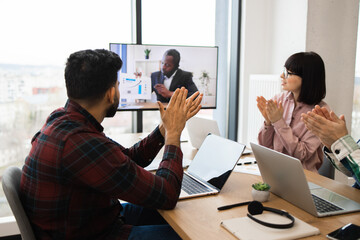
x=261 y=186
x=204 y=75
x=147 y=51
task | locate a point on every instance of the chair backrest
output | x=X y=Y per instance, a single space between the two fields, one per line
x=11 y=186
x=326 y=169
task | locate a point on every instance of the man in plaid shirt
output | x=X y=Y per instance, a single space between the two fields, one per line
x=340 y=148
x=74 y=175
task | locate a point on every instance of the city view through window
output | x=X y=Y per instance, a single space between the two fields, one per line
x=28 y=95
x=37 y=37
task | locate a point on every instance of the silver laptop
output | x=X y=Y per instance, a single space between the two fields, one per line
x=198 y=128
x=211 y=167
x=286 y=177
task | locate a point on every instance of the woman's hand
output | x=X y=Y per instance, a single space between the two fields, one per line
x=261 y=104
x=274 y=110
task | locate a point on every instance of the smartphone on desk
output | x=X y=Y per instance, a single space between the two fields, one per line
x=347 y=232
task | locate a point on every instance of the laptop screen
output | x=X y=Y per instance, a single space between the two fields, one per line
x=215 y=160
x=198 y=128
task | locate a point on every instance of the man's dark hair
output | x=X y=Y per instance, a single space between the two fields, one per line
x=310 y=67
x=90 y=73
x=176 y=56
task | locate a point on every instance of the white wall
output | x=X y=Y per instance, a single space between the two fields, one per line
x=271 y=32
x=288 y=28
x=332 y=32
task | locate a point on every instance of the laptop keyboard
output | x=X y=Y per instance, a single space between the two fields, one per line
x=323 y=206
x=190 y=186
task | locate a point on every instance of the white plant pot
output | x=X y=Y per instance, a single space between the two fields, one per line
x=261 y=196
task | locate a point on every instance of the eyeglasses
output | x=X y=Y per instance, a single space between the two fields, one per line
x=287 y=73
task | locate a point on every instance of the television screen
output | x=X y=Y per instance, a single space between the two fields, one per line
x=150 y=73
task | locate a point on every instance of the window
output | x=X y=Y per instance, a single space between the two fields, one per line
x=174 y=22
x=37 y=37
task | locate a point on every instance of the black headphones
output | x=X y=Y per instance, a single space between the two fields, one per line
x=256 y=207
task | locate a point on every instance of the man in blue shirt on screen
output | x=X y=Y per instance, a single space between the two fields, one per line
x=171 y=77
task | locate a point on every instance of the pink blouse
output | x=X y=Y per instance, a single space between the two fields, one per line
x=290 y=136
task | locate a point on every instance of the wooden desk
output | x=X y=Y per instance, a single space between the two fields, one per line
x=198 y=218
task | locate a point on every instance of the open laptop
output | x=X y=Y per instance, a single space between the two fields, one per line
x=211 y=167
x=287 y=179
x=198 y=128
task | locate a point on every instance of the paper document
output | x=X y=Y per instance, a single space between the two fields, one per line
x=247 y=165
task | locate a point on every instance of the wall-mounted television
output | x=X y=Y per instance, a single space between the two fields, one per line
x=143 y=72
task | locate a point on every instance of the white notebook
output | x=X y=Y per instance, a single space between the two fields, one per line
x=247 y=229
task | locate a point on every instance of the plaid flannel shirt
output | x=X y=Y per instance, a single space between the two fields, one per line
x=74 y=175
x=345 y=157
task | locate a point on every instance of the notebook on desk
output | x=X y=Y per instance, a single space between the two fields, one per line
x=287 y=179
x=211 y=167
x=246 y=229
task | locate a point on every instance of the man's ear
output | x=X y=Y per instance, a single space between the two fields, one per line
x=110 y=95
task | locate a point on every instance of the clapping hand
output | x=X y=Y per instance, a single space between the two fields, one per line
x=195 y=104
x=327 y=126
x=261 y=104
x=178 y=111
x=274 y=110
x=271 y=110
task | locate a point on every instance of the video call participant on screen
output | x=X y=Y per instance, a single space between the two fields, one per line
x=303 y=82
x=340 y=148
x=74 y=175
x=171 y=77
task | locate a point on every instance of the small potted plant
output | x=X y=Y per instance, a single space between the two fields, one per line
x=260 y=191
x=147 y=53
x=205 y=79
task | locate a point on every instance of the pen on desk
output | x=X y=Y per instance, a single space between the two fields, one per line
x=234 y=205
x=245 y=163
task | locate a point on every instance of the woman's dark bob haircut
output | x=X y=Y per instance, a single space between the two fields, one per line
x=310 y=67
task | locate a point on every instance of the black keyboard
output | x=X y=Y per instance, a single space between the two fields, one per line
x=191 y=186
x=323 y=206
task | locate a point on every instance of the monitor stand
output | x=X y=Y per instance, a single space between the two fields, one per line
x=137 y=126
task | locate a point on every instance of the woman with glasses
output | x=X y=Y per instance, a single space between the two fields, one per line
x=303 y=82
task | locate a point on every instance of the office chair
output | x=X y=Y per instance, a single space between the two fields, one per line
x=326 y=169
x=11 y=186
